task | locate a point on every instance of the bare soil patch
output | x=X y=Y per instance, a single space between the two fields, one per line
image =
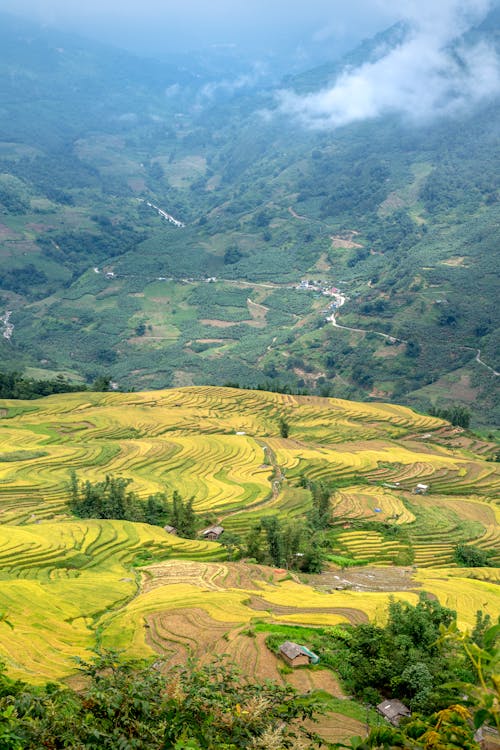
x=182 y=378
x=458 y=260
x=389 y=351
x=5 y=232
x=304 y=680
x=463 y=390
x=322 y=264
x=365 y=579
x=137 y=184
x=354 y=616
x=217 y=323
x=344 y=241
x=258 y=312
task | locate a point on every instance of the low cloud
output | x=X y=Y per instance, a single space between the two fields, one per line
x=432 y=72
x=230 y=86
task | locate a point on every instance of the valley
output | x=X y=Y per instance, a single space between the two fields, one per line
x=249 y=398
x=266 y=203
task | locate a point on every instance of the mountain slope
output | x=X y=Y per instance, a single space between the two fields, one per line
x=403 y=220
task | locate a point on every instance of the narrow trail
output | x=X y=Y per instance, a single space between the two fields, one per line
x=276 y=482
x=364 y=330
x=341 y=300
x=478 y=359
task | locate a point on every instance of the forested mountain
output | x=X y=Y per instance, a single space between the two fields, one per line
x=98 y=149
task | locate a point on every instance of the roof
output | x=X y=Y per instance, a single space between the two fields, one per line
x=422 y=486
x=292 y=650
x=170 y=529
x=392 y=708
x=217 y=530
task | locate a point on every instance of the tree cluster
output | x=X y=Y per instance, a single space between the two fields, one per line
x=15 y=385
x=470 y=556
x=457 y=415
x=290 y=545
x=112 y=499
x=404 y=659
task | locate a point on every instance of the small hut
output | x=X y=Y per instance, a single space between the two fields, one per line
x=421 y=489
x=393 y=711
x=213 y=533
x=170 y=529
x=297 y=656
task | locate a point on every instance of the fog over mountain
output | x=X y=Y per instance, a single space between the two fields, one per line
x=290 y=34
x=431 y=72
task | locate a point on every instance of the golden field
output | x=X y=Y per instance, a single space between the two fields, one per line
x=69 y=585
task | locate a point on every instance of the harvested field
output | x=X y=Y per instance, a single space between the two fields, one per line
x=306 y=680
x=298 y=614
x=336 y=727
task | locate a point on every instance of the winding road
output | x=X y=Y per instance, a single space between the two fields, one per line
x=341 y=299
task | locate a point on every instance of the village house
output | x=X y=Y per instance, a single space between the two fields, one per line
x=297 y=656
x=170 y=529
x=213 y=533
x=393 y=711
x=421 y=489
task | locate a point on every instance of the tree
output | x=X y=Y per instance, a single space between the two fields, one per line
x=472 y=557
x=101 y=383
x=273 y=532
x=284 y=427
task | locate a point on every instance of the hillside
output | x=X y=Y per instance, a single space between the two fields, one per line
x=402 y=220
x=69 y=584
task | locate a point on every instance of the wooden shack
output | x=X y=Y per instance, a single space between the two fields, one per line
x=297 y=656
x=393 y=711
x=213 y=533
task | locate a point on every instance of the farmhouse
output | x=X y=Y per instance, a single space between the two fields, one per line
x=170 y=529
x=295 y=655
x=393 y=711
x=212 y=533
x=421 y=489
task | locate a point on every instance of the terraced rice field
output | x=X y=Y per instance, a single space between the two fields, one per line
x=66 y=583
x=372 y=503
x=214 y=444
x=58 y=579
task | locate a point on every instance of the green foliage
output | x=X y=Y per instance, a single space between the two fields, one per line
x=133 y=706
x=473 y=557
x=321 y=514
x=457 y=415
x=284 y=544
x=416 y=198
x=284 y=426
x=402 y=659
x=111 y=499
x=15 y=385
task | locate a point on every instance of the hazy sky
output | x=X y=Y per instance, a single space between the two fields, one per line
x=311 y=29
